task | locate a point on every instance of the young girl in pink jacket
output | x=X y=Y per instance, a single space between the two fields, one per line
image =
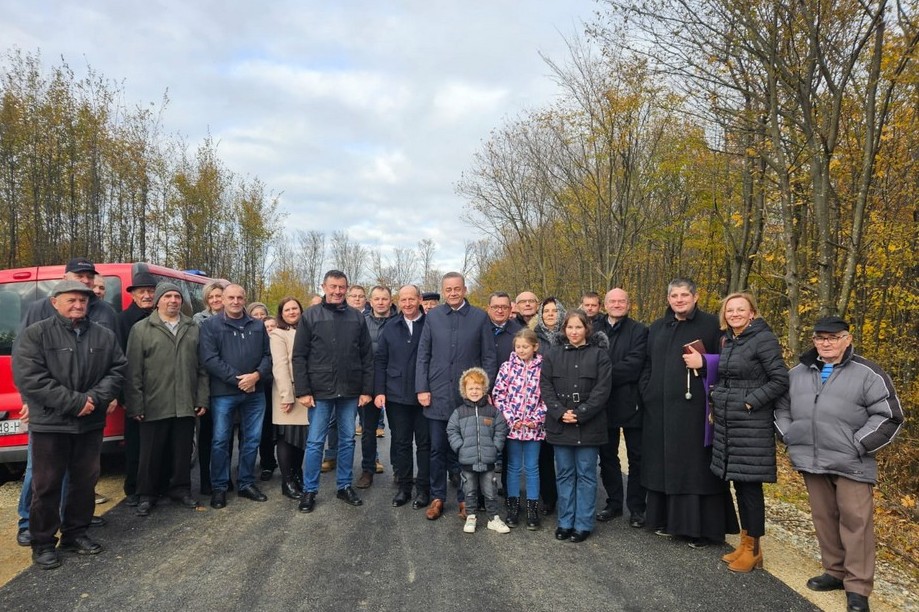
x=516 y=394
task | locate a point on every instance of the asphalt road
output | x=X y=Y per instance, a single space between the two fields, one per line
x=267 y=556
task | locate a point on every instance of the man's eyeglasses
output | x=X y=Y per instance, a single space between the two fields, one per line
x=829 y=339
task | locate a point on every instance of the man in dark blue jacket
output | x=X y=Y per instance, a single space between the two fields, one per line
x=503 y=327
x=628 y=345
x=457 y=336
x=394 y=388
x=234 y=350
x=332 y=363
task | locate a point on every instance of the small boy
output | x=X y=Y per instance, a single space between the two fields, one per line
x=477 y=431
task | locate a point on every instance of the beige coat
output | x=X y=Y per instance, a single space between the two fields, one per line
x=282 y=389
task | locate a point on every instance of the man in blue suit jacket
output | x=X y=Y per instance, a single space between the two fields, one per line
x=456 y=336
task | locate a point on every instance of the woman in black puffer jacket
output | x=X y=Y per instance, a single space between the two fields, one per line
x=751 y=376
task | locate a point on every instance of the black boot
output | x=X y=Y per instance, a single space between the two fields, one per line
x=289 y=486
x=532 y=514
x=513 y=511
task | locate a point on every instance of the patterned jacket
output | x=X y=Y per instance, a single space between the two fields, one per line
x=516 y=394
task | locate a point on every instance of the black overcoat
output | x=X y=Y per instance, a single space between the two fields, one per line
x=674 y=459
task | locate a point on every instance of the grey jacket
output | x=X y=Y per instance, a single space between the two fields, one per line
x=837 y=426
x=477 y=431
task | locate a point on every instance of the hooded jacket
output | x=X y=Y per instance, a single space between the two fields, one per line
x=577 y=378
x=476 y=431
x=836 y=427
x=518 y=396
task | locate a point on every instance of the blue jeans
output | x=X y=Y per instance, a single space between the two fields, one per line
x=576 y=475
x=344 y=409
x=251 y=407
x=522 y=455
x=25 y=496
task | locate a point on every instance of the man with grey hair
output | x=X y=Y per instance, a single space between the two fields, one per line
x=68 y=369
x=456 y=337
x=527 y=306
x=839 y=411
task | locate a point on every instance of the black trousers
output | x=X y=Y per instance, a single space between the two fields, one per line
x=611 y=471
x=53 y=455
x=131 y=455
x=370 y=416
x=752 y=507
x=407 y=422
x=547 y=486
x=165 y=456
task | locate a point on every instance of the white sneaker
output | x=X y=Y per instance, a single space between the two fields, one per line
x=469 y=527
x=496 y=524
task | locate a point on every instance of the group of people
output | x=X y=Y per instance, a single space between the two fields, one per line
x=698 y=399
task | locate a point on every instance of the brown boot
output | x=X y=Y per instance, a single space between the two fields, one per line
x=751 y=556
x=729 y=558
x=462 y=510
x=365 y=480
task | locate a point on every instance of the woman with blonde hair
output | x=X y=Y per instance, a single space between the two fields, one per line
x=751 y=376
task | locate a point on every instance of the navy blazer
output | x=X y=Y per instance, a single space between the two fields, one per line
x=395 y=360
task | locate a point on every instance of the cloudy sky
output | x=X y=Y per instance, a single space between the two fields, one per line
x=362 y=114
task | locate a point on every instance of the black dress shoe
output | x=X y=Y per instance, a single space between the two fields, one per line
x=252 y=492
x=401 y=498
x=579 y=536
x=82 y=545
x=609 y=512
x=289 y=489
x=132 y=500
x=825 y=582
x=265 y=476
x=856 y=602
x=143 y=508
x=307 y=502
x=563 y=534
x=637 y=520
x=219 y=500
x=187 y=501
x=24 y=537
x=97 y=521
x=422 y=500
x=348 y=496
x=46 y=557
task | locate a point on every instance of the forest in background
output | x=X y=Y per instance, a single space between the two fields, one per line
x=752 y=145
x=765 y=145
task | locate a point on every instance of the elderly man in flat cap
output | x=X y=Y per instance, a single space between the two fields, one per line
x=839 y=411
x=68 y=370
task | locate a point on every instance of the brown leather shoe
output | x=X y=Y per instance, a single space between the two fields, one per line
x=435 y=510
x=365 y=480
x=462 y=510
x=327 y=465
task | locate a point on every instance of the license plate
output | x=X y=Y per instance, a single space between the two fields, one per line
x=11 y=428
